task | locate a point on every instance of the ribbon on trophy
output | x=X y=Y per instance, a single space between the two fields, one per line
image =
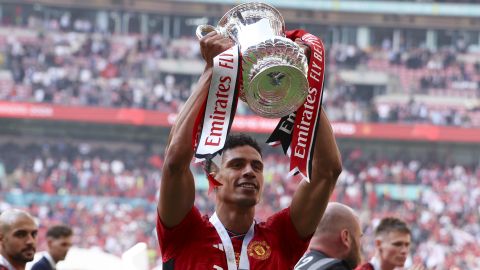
x=296 y=132
x=215 y=120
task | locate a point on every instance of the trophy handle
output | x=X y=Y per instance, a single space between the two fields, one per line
x=204 y=29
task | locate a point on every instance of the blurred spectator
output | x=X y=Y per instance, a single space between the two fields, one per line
x=96 y=190
x=18 y=239
x=81 y=68
x=336 y=242
x=59 y=241
x=392 y=245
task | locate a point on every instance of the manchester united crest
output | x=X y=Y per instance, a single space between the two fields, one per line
x=259 y=250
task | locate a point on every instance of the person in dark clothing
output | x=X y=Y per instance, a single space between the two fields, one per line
x=59 y=241
x=336 y=242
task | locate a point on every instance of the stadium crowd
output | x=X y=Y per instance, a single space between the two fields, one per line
x=109 y=196
x=426 y=193
x=98 y=69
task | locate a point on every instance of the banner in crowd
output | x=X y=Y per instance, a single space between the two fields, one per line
x=247 y=124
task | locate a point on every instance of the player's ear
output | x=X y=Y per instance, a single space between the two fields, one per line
x=345 y=237
x=214 y=169
x=378 y=244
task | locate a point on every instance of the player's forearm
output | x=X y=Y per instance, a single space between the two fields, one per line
x=177 y=188
x=310 y=199
x=179 y=147
x=326 y=159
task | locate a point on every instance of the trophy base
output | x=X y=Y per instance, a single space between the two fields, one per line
x=276 y=91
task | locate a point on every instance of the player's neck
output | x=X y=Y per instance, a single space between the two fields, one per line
x=19 y=266
x=317 y=243
x=237 y=220
x=386 y=266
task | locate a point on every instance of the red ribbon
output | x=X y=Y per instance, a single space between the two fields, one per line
x=302 y=141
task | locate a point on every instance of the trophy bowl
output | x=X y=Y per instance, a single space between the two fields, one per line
x=274 y=68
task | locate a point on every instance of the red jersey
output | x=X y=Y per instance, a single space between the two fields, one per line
x=195 y=244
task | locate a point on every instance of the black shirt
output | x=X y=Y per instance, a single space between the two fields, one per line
x=316 y=260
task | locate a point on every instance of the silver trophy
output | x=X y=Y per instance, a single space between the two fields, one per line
x=274 y=68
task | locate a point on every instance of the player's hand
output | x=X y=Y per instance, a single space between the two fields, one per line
x=212 y=44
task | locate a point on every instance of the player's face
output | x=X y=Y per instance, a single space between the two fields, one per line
x=241 y=176
x=19 y=242
x=58 y=248
x=393 y=249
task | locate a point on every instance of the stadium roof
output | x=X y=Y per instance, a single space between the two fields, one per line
x=400 y=8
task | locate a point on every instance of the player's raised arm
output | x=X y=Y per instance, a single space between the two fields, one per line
x=311 y=199
x=177 y=188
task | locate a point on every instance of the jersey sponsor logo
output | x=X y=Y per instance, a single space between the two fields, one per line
x=259 y=250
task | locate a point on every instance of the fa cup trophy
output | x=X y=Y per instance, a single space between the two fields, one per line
x=274 y=82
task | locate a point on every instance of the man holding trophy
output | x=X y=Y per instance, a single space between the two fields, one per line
x=248 y=56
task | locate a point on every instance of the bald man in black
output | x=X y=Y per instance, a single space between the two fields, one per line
x=336 y=242
x=18 y=237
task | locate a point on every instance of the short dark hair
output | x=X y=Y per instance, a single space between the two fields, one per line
x=391 y=224
x=233 y=141
x=59 y=231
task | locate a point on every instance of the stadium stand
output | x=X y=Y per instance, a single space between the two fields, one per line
x=58 y=181
x=81 y=57
x=84 y=69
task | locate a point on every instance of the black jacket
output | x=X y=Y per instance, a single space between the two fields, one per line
x=42 y=264
x=316 y=260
